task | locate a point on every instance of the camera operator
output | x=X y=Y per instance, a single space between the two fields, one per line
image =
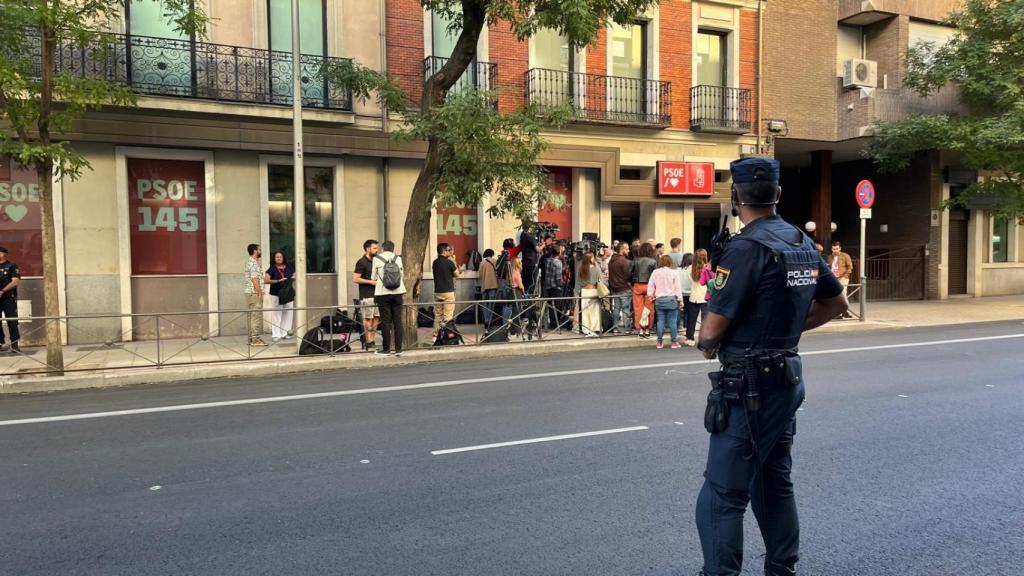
x=528 y=248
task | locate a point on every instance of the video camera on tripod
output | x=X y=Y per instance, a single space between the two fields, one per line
x=544 y=230
x=590 y=243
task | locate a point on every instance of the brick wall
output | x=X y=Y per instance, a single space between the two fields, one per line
x=676 y=57
x=800 y=66
x=748 y=58
x=887 y=44
x=405 y=46
x=513 y=59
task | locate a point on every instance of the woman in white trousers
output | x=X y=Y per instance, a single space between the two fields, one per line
x=281 y=277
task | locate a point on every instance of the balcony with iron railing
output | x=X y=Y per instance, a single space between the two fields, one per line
x=201 y=70
x=602 y=99
x=859 y=111
x=720 y=109
x=479 y=75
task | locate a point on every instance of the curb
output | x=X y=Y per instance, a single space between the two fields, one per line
x=260 y=368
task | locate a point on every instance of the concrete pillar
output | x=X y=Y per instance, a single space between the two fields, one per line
x=976 y=252
x=652 y=221
x=688 y=228
x=821 y=195
x=943 y=276
x=606 y=222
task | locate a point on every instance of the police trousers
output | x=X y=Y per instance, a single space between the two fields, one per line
x=9 y=310
x=734 y=476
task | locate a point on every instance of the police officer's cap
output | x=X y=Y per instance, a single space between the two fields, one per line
x=749 y=170
x=3 y=250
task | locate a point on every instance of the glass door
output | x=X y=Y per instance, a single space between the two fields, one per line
x=313 y=45
x=627 y=95
x=712 y=74
x=160 y=59
x=554 y=81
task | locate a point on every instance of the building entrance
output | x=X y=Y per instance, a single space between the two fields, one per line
x=625 y=221
x=707 y=221
x=958 y=240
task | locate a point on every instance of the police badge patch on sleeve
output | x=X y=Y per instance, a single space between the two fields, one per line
x=721 y=277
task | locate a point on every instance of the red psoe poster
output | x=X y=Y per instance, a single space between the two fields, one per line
x=167 y=216
x=21 y=217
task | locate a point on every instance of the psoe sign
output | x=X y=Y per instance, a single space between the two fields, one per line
x=686 y=178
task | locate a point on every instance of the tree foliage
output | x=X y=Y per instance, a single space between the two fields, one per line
x=985 y=59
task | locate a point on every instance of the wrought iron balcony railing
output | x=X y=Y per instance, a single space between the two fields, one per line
x=187 y=69
x=720 y=109
x=480 y=75
x=604 y=99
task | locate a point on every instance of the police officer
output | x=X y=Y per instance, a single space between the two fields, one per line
x=10 y=277
x=770 y=286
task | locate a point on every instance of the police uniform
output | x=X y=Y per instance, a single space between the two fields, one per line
x=9 y=300
x=765 y=282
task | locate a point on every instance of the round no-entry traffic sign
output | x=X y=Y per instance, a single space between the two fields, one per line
x=865 y=194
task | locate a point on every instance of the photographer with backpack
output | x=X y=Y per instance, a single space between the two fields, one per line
x=388 y=272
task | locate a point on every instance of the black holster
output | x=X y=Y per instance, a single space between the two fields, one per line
x=716 y=415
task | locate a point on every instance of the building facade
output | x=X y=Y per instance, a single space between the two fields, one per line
x=833 y=70
x=202 y=167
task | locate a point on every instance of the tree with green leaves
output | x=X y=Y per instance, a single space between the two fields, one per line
x=473 y=151
x=985 y=59
x=39 y=103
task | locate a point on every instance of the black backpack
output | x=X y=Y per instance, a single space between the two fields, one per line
x=391 y=274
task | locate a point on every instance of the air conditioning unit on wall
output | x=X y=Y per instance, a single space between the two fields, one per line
x=859 y=73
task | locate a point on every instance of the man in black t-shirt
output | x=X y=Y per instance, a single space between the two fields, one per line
x=10 y=277
x=445 y=272
x=363 y=277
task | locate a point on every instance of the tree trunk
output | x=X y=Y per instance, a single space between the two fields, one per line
x=417 y=220
x=44 y=173
x=54 y=347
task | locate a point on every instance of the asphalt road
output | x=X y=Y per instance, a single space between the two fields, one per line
x=908 y=461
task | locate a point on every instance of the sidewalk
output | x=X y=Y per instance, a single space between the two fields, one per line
x=130 y=363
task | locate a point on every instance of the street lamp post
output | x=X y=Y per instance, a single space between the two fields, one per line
x=299 y=181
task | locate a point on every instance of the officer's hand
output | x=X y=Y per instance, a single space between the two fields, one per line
x=711 y=354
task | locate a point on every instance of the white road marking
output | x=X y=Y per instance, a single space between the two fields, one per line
x=537 y=440
x=510 y=378
x=904 y=396
x=364 y=461
x=155 y=488
x=990 y=385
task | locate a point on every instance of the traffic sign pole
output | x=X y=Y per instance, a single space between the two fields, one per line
x=863 y=267
x=865 y=196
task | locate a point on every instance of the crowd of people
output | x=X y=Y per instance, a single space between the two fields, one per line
x=533 y=284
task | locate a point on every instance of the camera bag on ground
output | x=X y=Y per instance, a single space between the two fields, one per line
x=448 y=335
x=498 y=333
x=316 y=341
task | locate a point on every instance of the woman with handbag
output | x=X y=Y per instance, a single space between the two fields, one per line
x=643 y=266
x=667 y=293
x=698 y=294
x=281 y=279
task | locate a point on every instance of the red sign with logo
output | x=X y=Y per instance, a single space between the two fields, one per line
x=21 y=217
x=558 y=209
x=686 y=178
x=167 y=216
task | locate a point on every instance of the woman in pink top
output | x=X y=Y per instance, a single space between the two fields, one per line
x=667 y=292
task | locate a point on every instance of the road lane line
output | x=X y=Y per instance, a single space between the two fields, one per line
x=447 y=383
x=538 y=440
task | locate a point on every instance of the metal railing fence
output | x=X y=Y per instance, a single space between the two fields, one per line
x=99 y=341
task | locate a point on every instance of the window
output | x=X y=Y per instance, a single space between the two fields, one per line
x=1000 y=240
x=167 y=216
x=319 y=197
x=558 y=209
x=459 y=227
x=21 y=217
x=312 y=40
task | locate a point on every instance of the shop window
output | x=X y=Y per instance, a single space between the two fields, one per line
x=319 y=201
x=1000 y=239
x=21 y=217
x=558 y=209
x=167 y=216
x=460 y=227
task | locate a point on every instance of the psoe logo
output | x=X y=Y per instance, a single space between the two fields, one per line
x=806 y=277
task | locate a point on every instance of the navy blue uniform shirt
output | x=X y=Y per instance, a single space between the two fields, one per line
x=747 y=286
